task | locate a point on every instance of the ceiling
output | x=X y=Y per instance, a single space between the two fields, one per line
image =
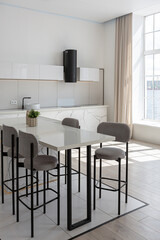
x=92 y=10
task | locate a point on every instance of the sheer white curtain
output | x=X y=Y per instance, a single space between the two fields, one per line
x=123 y=70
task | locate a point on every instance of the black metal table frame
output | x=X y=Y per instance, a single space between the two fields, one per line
x=71 y=225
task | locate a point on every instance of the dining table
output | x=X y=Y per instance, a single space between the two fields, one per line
x=52 y=134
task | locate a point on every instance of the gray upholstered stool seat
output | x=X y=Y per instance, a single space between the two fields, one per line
x=41 y=163
x=110 y=153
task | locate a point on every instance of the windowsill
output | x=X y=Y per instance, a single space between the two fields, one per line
x=150 y=123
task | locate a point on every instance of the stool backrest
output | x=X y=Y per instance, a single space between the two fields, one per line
x=71 y=122
x=120 y=131
x=7 y=136
x=25 y=140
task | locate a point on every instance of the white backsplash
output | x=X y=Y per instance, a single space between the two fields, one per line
x=50 y=93
x=8 y=91
x=64 y=102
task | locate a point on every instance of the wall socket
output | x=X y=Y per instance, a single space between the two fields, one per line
x=13 y=102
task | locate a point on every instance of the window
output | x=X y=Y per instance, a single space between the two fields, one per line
x=152 y=66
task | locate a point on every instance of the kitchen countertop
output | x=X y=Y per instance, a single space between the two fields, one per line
x=45 y=109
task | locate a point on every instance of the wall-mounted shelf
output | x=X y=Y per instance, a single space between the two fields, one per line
x=88 y=74
x=25 y=71
x=21 y=71
x=51 y=72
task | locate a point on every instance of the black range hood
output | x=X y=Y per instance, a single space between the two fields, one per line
x=70 y=65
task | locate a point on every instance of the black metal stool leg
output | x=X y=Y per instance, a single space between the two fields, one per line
x=26 y=182
x=47 y=179
x=94 y=185
x=13 y=195
x=65 y=167
x=17 y=177
x=2 y=168
x=44 y=192
x=37 y=186
x=47 y=171
x=119 y=187
x=126 y=196
x=100 y=176
x=32 y=197
x=58 y=191
x=79 y=169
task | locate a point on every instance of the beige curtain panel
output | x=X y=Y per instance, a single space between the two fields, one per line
x=123 y=70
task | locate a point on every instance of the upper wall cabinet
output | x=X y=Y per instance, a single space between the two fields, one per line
x=5 y=70
x=88 y=74
x=22 y=71
x=51 y=72
x=25 y=71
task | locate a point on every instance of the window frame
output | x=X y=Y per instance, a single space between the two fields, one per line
x=149 y=53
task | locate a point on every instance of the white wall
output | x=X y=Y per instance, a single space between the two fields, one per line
x=146 y=132
x=109 y=63
x=34 y=37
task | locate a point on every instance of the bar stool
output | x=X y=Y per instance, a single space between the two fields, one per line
x=121 y=132
x=8 y=139
x=28 y=147
x=71 y=122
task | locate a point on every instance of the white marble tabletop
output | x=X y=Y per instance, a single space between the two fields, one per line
x=51 y=133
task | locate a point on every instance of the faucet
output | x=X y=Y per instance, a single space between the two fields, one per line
x=23 y=101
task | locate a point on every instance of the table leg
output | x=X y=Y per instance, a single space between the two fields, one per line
x=89 y=183
x=71 y=226
x=2 y=173
x=69 y=190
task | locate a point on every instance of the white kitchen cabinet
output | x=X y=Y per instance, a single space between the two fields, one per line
x=9 y=70
x=88 y=74
x=32 y=71
x=25 y=71
x=5 y=70
x=51 y=72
